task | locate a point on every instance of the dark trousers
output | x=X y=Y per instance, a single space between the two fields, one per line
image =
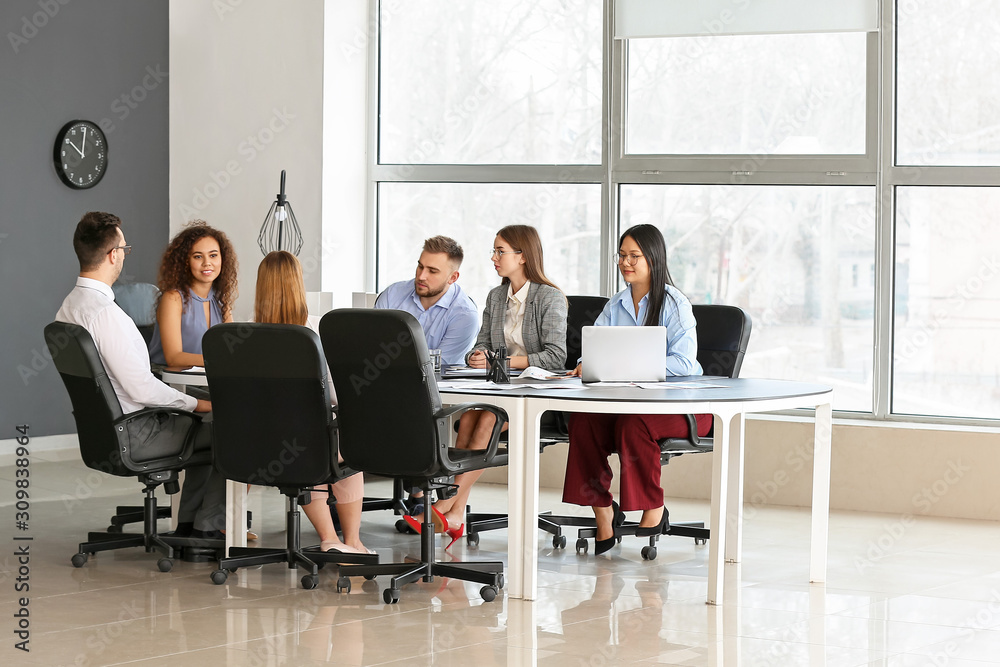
x=203 y=497
x=594 y=437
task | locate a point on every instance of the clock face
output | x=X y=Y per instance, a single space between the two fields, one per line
x=81 y=154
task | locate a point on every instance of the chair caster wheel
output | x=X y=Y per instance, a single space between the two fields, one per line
x=390 y=595
x=472 y=539
x=114 y=529
x=500 y=581
x=219 y=577
x=581 y=547
x=558 y=541
x=700 y=540
x=344 y=585
x=79 y=560
x=403 y=527
x=310 y=581
x=649 y=553
x=165 y=564
x=488 y=593
x=370 y=577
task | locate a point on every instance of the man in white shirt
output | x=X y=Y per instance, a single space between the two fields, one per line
x=100 y=247
x=448 y=317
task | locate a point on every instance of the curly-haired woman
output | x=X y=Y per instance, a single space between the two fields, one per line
x=197 y=284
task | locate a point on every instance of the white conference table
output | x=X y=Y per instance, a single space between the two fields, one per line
x=728 y=403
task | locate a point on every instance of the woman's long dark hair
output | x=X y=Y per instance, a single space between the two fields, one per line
x=654 y=249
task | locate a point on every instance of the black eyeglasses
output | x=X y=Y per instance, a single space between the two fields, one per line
x=124 y=248
x=501 y=253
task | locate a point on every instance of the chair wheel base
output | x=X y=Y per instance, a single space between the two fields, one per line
x=344 y=585
x=165 y=564
x=648 y=553
x=558 y=541
x=310 y=581
x=581 y=547
x=488 y=593
x=219 y=577
x=79 y=560
x=390 y=595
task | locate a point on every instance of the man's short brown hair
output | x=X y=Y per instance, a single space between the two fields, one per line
x=96 y=234
x=449 y=246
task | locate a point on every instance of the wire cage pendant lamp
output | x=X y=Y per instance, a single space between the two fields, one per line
x=280 y=230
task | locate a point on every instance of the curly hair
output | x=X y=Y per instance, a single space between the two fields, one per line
x=175 y=267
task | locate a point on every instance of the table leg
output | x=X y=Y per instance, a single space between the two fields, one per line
x=821 y=493
x=517 y=452
x=734 y=510
x=720 y=489
x=532 y=416
x=236 y=514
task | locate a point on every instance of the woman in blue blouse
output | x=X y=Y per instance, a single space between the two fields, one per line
x=649 y=300
x=197 y=284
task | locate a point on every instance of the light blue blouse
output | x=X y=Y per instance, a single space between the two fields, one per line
x=193 y=326
x=676 y=316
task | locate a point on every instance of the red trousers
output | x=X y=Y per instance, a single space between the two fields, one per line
x=594 y=437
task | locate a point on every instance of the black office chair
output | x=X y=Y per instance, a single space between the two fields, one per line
x=723 y=337
x=582 y=311
x=138 y=300
x=274 y=426
x=118 y=444
x=392 y=424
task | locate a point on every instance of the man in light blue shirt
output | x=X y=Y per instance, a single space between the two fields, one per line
x=447 y=315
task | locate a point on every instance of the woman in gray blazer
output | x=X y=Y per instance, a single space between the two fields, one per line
x=526 y=313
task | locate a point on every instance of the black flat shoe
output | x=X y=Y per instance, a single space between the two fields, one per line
x=660 y=529
x=600 y=546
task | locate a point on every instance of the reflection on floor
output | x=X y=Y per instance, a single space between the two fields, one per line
x=901 y=592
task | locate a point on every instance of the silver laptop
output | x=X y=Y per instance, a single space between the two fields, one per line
x=624 y=354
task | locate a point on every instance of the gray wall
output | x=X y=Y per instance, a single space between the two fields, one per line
x=79 y=60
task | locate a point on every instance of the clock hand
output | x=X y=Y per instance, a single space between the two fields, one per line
x=74 y=146
x=83 y=144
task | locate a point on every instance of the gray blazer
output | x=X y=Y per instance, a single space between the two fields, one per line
x=544 y=328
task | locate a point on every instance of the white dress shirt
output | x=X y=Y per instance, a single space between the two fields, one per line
x=513 y=320
x=92 y=305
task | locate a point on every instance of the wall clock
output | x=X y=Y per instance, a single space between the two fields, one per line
x=81 y=154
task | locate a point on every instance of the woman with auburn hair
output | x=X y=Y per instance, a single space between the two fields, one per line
x=526 y=313
x=197 y=282
x=651 y=300
x=281 y=299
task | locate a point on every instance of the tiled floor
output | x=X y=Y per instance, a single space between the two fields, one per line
x=901 y=592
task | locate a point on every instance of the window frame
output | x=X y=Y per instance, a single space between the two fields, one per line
x=877 y=168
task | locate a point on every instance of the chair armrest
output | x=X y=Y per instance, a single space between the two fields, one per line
x=500 y=413
x=164 y=448
x=692 y=429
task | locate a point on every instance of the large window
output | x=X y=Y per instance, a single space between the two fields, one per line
x=507 y=82
x=747 y=94
x=948 y=102
x=838 y=180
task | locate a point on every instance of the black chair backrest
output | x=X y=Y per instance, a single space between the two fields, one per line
x=582 y=312
x=95 y=404
x=138 y=300
x=723 y=336
x=271 y=413
x=387 y=395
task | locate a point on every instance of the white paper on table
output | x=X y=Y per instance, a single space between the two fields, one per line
x=555 y=385
x=536 y=373
x=193 y=369
x=608 y=384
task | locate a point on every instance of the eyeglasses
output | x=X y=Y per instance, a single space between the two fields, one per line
x=501 y=253
x=124 y=248
x=621 y=258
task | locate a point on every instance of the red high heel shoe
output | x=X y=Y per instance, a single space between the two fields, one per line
x=455 y=534
x=440 y=522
